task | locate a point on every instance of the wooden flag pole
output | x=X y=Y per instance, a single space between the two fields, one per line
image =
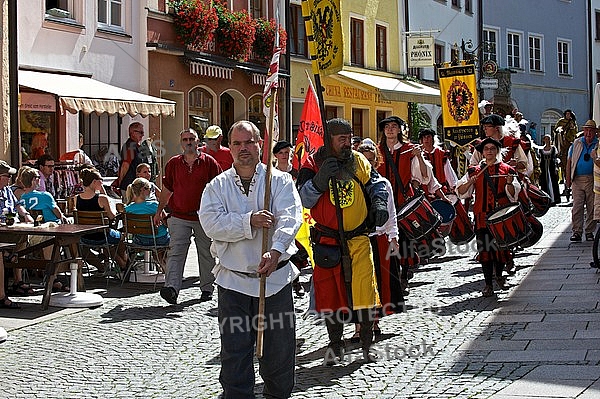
x=260 y=330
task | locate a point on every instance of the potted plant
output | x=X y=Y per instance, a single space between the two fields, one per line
x=235 y=33
x=264 y=39
x=195 y=22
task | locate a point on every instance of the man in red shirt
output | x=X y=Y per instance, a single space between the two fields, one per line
x=184 y=180
x=213 y=147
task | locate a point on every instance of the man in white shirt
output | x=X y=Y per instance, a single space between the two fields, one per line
x=232 y=214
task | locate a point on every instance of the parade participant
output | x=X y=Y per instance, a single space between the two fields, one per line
x=566 y=130
x=283 y=155
x=495 y=184
x=514 y=155
x=347 y=198
x=232 y=214
x=549 y=170
x=580 y=179
x=213 y=138
x=184 y=180
x=384 y=242
x=441 y=167
x=402 y=164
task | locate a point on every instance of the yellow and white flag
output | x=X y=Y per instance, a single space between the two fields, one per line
x=323 y=22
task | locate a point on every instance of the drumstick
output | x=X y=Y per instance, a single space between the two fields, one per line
x=411 y=150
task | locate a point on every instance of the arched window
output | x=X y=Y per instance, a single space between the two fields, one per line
x=200 y=110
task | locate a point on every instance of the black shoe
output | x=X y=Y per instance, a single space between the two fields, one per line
x=589 y=237
x=576 y=237
x=169 y=294
x=206 y=296
x=334 y=354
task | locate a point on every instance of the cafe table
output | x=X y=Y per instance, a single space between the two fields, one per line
x=65 y=238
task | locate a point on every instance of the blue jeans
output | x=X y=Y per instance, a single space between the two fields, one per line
x=149 y=242
x=237 y=325
x=181 y=231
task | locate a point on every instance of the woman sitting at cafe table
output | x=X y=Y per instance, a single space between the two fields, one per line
x=40 y=200
x=94 y=198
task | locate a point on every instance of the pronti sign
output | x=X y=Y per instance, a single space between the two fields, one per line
x=420 y=52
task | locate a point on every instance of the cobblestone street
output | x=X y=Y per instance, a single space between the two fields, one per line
x=540 y=338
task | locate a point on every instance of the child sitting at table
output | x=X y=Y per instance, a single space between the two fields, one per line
x=143 y=170
x=142 y=205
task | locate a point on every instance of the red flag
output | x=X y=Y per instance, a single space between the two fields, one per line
x=310 y=132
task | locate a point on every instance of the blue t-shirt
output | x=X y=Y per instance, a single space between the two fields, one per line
x=41 y=201
x=146 y=208
x=585 y=168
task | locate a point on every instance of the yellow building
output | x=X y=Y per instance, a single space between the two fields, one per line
x=372 y=84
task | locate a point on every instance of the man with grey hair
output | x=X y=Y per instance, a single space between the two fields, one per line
x=184 y=180
x=232 y=212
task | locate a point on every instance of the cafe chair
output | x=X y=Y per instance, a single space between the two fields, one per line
x=153 y=262
x=105 y=251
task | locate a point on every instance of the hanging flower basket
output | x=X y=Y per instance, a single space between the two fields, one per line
x=235 y=34
x=264 y=40
x=195 y=22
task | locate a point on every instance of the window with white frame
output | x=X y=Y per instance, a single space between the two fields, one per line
x=535 y=53
x=64 y=10
x=513 y=50
x=110 y=14
x=490 y=40
x=564 y=57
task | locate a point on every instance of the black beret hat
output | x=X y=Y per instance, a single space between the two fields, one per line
x=426 y=132
x=488 y=140
x=389 y=119
x=280 y=145
x=493 y=119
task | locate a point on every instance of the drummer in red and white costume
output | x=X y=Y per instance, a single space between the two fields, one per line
x=495 y=184
x=403 y=164
x=440 y=163
x=493 y=126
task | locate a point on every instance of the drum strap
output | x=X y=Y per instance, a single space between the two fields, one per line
x=346 y=260
x=399 y=183
x=493 y=187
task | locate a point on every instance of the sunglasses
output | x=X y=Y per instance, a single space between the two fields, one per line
x=586 y=157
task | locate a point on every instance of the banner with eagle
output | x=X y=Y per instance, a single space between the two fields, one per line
x=323 y=22
x=458 y=88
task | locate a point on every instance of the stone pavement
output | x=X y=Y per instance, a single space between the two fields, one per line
x=538 y=339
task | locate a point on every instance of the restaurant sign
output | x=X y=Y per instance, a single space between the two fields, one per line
x=420 y=51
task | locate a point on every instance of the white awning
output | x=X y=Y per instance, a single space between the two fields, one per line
x=79 y=93
x=393 y=89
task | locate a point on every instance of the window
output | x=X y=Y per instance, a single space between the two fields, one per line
x=200 y=109
x=597 y=33
x=456 y=3
x=330 y=112
x=357 y=42
x=490 y=43
x=513 y=50
x=564 y=55
x=110 y=14
x=468 y=6
x=357 y=122
x=381 y=51
x=535 y=53
x=64 y=11
x=439 y=59
x=297 y=34
x=256 y=9
x=255 y=112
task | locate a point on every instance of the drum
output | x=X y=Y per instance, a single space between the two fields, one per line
x=537 y=231
x=462 y=230
x=509 y=226
x=448 y=214
x=540 y=201
x=417 y=218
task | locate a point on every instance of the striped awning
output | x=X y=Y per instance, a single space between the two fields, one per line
x=211 y=71
x=260 y=79
x=80 y=93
